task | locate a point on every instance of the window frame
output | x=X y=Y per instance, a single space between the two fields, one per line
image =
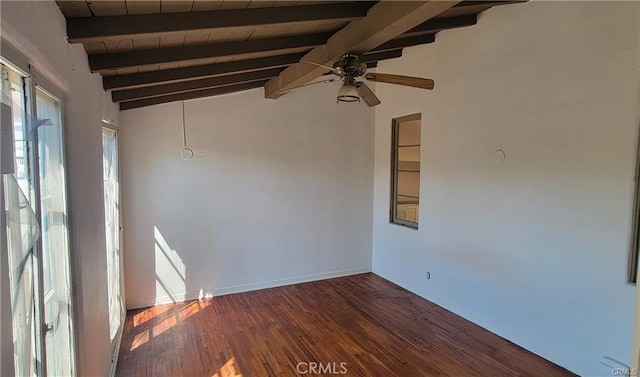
x=40 y=83
x=16 y=62
x=116 y=341
x=34 y=81
x=395 y=130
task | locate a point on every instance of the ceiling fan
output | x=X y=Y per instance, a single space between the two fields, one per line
x=351 y=70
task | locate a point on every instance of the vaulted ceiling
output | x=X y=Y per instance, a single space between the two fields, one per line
x=156 y=51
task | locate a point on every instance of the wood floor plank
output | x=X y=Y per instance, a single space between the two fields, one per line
x=372 y=325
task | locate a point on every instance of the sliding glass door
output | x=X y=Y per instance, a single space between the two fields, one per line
x=56 y=282
x=22 y=228
x=35 y=202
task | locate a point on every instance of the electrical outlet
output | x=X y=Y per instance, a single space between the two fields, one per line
x=428 y=275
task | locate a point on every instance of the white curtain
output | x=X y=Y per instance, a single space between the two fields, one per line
x=112 y=222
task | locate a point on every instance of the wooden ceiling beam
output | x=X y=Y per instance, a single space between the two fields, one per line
x=385 y=21
x=143 y=79
x=376 y=56
x=474 y=3
x=191 y=95
x=208 y=70
x=93 y=29
x=106 y=62
x=436 y=24
x=186 y=86
x=395 y=44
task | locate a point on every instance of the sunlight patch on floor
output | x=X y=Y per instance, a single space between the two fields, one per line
x=140 y=339
x=171 y=320
x=182 y=314
x=229 y=369
x=149 y=314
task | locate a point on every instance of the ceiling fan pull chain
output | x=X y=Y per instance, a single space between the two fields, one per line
x=184 y=130
x=187 y=153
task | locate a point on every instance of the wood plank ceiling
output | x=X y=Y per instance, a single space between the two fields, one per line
x=156 y=51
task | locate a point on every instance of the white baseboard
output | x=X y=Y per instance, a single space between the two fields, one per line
x=161 y=300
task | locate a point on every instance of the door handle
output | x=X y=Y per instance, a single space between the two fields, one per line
x=47 y=328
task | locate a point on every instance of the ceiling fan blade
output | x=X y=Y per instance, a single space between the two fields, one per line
x=416 y=82
x=310 y=83
x=321 y=65
x=367 y=94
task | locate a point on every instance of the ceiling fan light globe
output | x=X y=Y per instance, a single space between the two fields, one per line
x=348 y=99
x=348 y=93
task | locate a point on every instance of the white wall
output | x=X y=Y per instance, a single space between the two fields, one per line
x=279 y=191
x=37 y=30
x=534 y=249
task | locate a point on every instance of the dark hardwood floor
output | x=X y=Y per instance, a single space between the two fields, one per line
x=374 y=327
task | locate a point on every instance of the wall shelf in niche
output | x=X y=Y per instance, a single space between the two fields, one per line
x=405 y=156
x=409 y=166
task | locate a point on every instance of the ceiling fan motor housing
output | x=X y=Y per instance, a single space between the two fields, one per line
x=350 y=66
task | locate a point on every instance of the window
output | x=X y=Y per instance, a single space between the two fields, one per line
x=112 y=227
x=35 y=200
x=21 y=224
x=405 y=170
x=54 y=236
